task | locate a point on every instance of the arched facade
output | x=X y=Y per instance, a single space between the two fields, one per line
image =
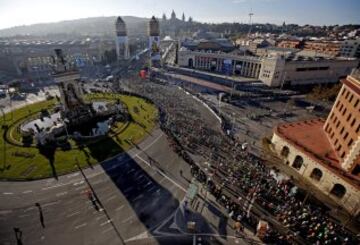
x=298 y=162
x=316 y=174
x=338 y=190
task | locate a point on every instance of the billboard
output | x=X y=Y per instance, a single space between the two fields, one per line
x=154 y=47
x=227 y=66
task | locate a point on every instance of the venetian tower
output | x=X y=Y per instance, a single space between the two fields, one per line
x=122 y=42
x=154 y=42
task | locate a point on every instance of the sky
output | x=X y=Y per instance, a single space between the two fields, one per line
x=316 y=12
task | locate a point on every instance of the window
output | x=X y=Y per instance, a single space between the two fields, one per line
x=341 y=107
x=298 y=162
x=337 y=104
x=338 y=190
x=337 y=125
x=343 y=154
x=316 y=174
x=347 y=94
x=356 y=170
x=346 y=135
x=358 y=128
x=332 y=135
x=353 y=122
x=350 y=142
x=344 y=111
x=342 y=130
x=351 y=97
x=348 y=118
x=356 y=103
x=285 y=151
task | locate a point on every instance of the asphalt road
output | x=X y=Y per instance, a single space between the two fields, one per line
x=134 y=193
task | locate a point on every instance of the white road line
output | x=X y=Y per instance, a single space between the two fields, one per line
x=50 y=204
x=61 y=193
x=28 y=191
x=28 y=209
x=53 y=186
x=126 y=220
x=79 y=183
x=8 y=193
x=73 y=214
x=110 y=198
x=4 y=212
x=138 y=197
x=81 y=225
x=100 y=217
x=163 y=174
x=119 y=208
x=107 y=230
x=106 y=222
x=72 y=175
x=80 y=188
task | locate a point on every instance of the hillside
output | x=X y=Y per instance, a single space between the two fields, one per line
x=88 y=26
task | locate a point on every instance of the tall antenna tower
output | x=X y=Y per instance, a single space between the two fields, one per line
x=250 y=22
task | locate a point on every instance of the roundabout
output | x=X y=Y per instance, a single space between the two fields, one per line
x=23 y=158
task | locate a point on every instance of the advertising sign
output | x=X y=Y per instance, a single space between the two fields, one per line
x=227 y=66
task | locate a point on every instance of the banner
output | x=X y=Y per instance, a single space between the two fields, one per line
x=154 y=47
x=227 y=66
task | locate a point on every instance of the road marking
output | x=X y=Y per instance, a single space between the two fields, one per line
x=126 y=220
x=28 y=191
x=138 y=197
x=163 y=174
x=100 y=217
x=106 y=222
x=119 y=208
x=81 y=225
x=107 y=230
x=8 y=193
x=53 y=186
x=80 y=188
x=50 y=204
x=78 y=183
x=110 y=198
x=72 y=214
x=3 y=212
x=61 y=193
x=28 y=209
x=72 y=175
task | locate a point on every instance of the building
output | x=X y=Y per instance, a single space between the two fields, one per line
x=329 y=48
x=216 y=44
x=122 y=41
x=275 y=69
x=290 y=44
x=278 y=70
x=247 y=66
x=326 y=153
x=350 y=48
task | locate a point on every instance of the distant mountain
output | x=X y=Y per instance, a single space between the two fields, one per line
x=89 y=26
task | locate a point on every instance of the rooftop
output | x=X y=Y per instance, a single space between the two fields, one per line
x=309 y=137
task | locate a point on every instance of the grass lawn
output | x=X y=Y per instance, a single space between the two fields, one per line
x=29 y=163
